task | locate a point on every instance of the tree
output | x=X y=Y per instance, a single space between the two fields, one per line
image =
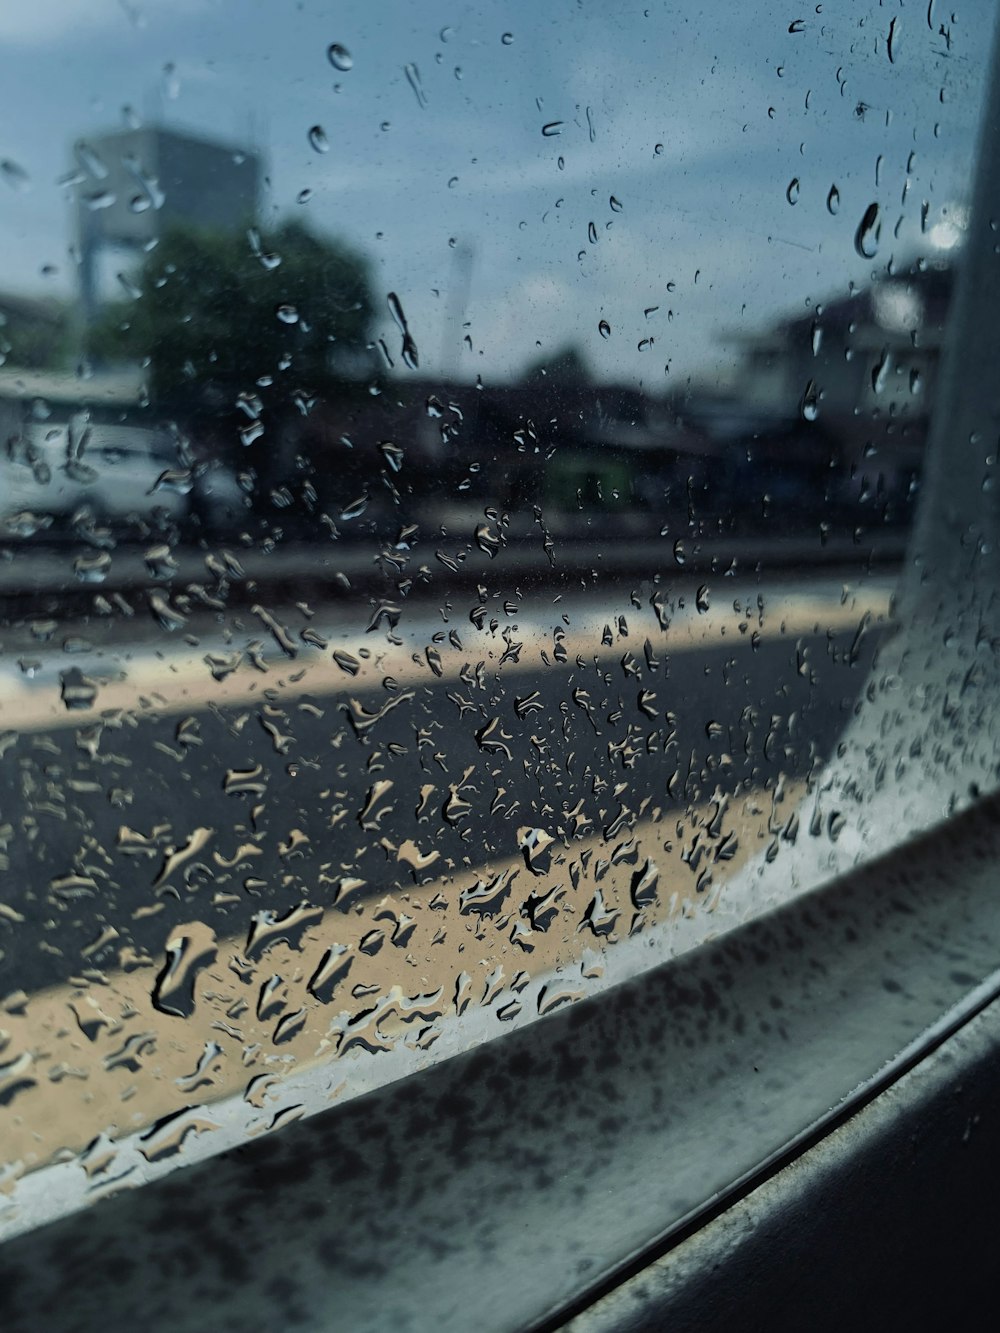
x=224 y=310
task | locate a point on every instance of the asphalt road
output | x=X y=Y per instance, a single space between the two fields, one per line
x=294 y=778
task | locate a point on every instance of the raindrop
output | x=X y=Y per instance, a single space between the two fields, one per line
x=890 y=47
x=797 y=25
x=252 y=432
x=90 y=161
x=507 y=38
x=339 y=57
x=809 y=406
x=392 y=454
x=413 y=79
x=553 y=128
x=604 y=329
x=166 y=616
x=303 y=196
x=318 y=139
x=287 y=314
x=191 y=950
x=160 y=562
x=347 y=661
x=658 y=149
x=642 y=890
x=616 y=205
x=409 y=351
x=591 y=233
x=880 y=372
x=487 y=540
x=598 y=916
x=15 y=176
x=833 y=201
x=148 y=183
x=792 y=193
x=866 y=237
x=76 y=690
x=333 y=968
x=268 y=929
x=384 y=612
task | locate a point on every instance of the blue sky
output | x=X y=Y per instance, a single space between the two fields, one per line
x=738 y=105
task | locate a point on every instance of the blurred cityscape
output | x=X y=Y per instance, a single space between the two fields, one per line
x=216 y=380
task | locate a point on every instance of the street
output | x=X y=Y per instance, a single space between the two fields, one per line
x=290 y=834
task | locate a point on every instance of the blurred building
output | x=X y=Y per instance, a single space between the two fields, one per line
x=875 y=351
x=133 y=185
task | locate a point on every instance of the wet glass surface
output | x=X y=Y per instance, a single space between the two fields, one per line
x=454 y=473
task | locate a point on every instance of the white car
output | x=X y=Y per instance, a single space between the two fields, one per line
x=49 y=472
x=116 y=475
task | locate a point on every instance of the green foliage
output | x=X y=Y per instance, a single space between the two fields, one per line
x=208 y=311
x=36 y=335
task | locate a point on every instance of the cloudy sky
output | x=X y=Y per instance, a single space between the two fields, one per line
x=696 y=118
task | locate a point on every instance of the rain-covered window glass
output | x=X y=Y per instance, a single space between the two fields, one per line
x=456 y=467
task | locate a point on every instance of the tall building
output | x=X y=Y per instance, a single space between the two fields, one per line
x=132 y=185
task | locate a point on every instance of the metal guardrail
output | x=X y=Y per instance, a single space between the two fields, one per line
x=49 y=581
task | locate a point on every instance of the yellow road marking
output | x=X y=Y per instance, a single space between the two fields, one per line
x=95 y=1056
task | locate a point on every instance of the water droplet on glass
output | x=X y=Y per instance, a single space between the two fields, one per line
x=507 y=38
x=866 y=237
x=76 y=690
x=167 y=617
x=287 y=314
x=318 y=139
x=91 y=163
x=14 y=175
x=190 y=950
x=553 y=128
x=413 y=79
x=809 y=406
x=92 y=568
x=339 y=57
x=487 y=540
x=409 y=351
x=792 y=193
x=392 y=454
x=355 y=509
x=604 y=329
